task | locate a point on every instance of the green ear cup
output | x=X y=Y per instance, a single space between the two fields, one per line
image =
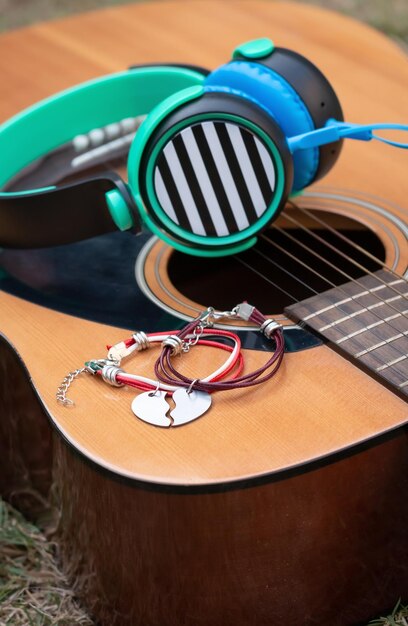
x=211 y=171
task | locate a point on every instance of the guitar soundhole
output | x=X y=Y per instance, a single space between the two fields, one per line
x=290 y=262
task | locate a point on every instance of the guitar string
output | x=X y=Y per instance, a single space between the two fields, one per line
x=368 y=254
x=329 y=282
x=341 y=253
x=297 y=260
x=332 y=285
x=310 y=232
x=362 y=307
x=320 y=199
x=352 y=244
x=343 y=237
x=267 y=279
x=269 y=260
x=372 y=352
x=270 y=281
x=354 y=280
x=285 y=270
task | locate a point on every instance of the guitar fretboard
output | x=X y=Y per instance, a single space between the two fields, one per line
x=366 y=319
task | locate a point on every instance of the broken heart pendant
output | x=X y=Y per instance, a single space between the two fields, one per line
x=189 y=405
x=151 y=407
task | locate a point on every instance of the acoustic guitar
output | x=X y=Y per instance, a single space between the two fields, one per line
x=285 y=503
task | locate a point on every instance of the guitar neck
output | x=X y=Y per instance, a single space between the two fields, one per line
x=365 y=320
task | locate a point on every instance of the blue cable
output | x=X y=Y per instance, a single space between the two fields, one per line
x=334 y=131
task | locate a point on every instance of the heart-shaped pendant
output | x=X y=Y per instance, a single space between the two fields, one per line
x=151 y=407
x=189 y=405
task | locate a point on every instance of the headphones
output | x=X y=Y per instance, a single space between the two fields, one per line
x=214 y=159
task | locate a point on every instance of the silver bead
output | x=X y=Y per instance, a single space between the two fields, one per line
x=109 y=373
x=141 y=340
x=175 y=343
x=268 y=327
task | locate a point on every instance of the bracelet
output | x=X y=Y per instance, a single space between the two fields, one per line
x=114 y=375
x=109 y=368
x=167 y=373
x=191 y=396
x=151 y=406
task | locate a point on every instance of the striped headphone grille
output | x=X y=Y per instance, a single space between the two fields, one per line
x=214 y=178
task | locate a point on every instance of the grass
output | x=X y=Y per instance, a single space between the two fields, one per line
x=33 y=590
x=398 y=617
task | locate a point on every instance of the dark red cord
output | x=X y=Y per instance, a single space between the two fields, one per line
x=168 y=374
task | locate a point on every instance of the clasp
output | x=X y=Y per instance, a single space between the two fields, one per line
x=211 y=316
x=119 y=351
x=94 y=365
x=244 y=310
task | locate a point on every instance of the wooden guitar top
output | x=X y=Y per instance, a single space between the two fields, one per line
x=319 y=403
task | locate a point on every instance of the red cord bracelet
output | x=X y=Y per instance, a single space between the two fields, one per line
x=191 y=396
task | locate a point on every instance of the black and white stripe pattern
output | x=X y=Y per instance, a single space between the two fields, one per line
x=214 y=178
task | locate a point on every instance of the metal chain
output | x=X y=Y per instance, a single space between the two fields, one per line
x=62 y=390
x=197 y=332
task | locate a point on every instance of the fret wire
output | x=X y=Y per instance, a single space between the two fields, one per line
x=354 y=280
x=327 y=280
x=394 y=362
x=351 y=244
x=381 y=343
x=357 y=295
x=356 y=314
x=363 y=330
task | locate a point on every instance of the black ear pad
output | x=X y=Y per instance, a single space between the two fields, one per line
x=315 y=91
x=212 y=155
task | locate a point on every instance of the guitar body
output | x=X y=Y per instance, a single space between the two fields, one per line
x=285 y=503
